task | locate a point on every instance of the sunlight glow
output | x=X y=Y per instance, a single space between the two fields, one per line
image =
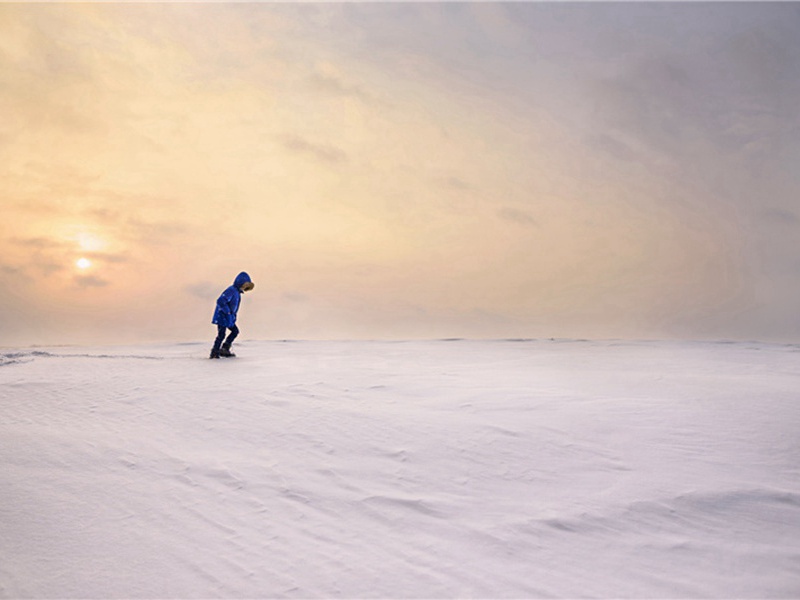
x=90 y=242
x=83 y=263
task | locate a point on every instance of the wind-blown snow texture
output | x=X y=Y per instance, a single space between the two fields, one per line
x=409 y=469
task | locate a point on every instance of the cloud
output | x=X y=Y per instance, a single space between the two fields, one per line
x=37 y=255
x=295 y=297
x=108 y=257
x=12 y=273
x=728 y=94
x=455 y=183
x=612 y=146
x=90 y=281
x=47 y=268
x=323 y=153
x=204 y=290
x=781 y=216
x=655 y=101
x=334 y=84
x=517 y=216
x=40 y=243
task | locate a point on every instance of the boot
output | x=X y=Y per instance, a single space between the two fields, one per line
x=226 y=351
x=214 y=353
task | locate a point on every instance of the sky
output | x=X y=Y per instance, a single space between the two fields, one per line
x=400 y=170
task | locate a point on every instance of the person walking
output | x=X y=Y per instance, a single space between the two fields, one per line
x=225 y=314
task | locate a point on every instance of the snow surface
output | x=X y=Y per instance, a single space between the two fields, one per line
x=442 y=469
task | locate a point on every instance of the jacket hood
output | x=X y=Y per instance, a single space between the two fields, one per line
x=240 y=279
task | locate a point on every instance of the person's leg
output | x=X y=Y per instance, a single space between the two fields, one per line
x=218 y=341
x=231 y=336
x=226 y=347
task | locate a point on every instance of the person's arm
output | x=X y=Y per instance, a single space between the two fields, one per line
x=225 y=302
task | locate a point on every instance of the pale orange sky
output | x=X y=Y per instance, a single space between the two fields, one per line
x=399 y=170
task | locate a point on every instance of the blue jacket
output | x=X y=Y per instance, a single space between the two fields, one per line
x=228 y=302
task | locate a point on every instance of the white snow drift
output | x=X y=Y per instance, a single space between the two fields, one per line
x=448 y=469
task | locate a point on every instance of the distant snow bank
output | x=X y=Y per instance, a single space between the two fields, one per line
x=443 y=469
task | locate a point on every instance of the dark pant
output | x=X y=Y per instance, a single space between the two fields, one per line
x=221 y=336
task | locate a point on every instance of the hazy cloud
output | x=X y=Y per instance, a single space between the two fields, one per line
x=106 y=257
x=128 y=222
x=781 y=216
x=41 y=243
x=516 y=215
x=612 y=146
x=656 y=101
x=204 y=290
x=47 y=268
x=90 y=281
x=295 y=297
x=323 y=153
x=455 y=183
x=331 y=83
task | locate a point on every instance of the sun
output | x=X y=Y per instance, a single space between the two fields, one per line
x=83 y=263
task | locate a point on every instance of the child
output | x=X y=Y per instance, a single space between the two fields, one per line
x=225 y=314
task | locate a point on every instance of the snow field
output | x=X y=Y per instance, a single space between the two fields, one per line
x=442 y=469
